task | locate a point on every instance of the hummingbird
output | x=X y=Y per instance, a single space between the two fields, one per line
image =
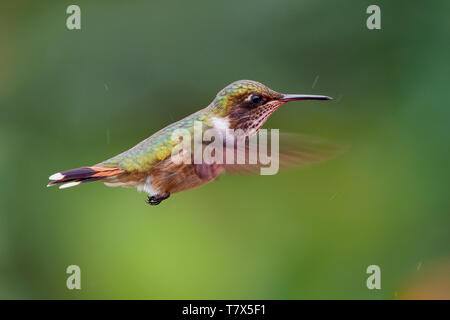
x=148 y=166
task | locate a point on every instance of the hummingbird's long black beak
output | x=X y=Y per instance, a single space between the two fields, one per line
x=293 y=97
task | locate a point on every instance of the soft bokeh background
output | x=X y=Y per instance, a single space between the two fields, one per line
x=74 y=98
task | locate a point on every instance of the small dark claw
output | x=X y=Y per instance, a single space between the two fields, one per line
x=156 y=199
x=153 y=201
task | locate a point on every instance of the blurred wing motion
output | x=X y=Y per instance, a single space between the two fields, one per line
x=295 y=150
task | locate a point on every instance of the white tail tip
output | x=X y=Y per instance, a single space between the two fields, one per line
x=70 y=184
x=56 y=176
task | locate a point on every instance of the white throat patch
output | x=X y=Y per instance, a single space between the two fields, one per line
x=221 y=124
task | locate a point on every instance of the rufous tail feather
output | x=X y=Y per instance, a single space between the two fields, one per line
x=77 y=176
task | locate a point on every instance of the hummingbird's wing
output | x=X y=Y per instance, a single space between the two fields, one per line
x=295 y=150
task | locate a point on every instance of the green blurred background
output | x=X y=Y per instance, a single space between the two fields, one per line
x=74 y=98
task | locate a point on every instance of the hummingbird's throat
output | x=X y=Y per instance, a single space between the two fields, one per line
x=254 y=119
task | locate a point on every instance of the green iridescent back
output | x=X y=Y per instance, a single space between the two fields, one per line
x=157 y=147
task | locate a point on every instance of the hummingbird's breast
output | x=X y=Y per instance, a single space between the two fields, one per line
x=168 y=176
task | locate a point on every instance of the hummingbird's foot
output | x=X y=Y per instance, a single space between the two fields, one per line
x=156 y=199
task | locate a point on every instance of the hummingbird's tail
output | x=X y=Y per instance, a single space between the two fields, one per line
x=74 y=177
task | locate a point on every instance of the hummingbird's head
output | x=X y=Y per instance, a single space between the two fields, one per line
x=248 y=104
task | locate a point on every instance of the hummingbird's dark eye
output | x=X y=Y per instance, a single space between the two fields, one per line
x=256 y=99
